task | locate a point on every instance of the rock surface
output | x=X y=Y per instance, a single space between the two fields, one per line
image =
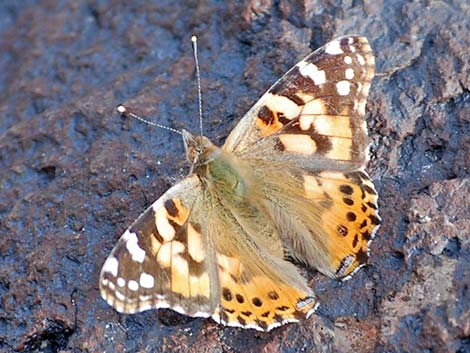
x=74 y=175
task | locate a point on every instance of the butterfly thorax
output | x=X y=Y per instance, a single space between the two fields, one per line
x=220 y=172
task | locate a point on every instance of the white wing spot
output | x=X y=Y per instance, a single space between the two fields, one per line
x=162 y=305
x=343 y=88
x=201 y=314
x=283 y=104
x=311 y=311
x=349 y=74
x=348 y=60
x=366 y=89
x=306 y=121
x=133 y=285
x=134 y=249
x=311 y=71
x=361 y=60
x=333 y=48
x=120 y=296
x=164 y=255
x=146 y=280
x=362 y=108
x=121 y=282
x=364 y=126
x=302 y=303
x=166 y=230
x=145 y=306
x=195 y=244
x=111 y=266
x=179 y=309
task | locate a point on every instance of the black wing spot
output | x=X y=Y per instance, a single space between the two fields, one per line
x=171 y=208
x=241 y=320
x=374 y=219
x=369 y=190
x=366 y=235
x=227 y=294
x=342 y=230
x=266 y=115
x=346 y=189
x=351 y=216
x=262 y=324
x=355 y=240
x=273 y=295
x=257 y=301
x=361 y=256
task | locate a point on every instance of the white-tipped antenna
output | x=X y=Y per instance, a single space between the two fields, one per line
x=124 y=111
x=199 y=93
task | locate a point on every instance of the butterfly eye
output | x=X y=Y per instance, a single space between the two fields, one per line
x=192 y=154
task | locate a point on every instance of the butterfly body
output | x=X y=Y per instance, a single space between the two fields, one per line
x=219 y=171
x=288 y=184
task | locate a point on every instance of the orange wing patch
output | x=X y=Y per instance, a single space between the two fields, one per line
x=258 y=302
x=162 y=262
x=349 y=216
x=326 y=106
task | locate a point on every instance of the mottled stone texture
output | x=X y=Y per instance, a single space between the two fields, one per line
x=74 y=175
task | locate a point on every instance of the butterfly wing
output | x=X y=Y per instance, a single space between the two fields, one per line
x=189 y=253
x=314 y=115
x=307 y=140
x=259 y=289
x=325 y=219
x=164 y=260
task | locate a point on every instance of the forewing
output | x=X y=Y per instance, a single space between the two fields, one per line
x=164 y=260
x=314 y=114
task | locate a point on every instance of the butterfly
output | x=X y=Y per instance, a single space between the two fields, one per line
x=288 y=186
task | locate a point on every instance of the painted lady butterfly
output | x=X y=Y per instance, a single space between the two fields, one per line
x=289 y=183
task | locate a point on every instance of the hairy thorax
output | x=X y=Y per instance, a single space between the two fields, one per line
x=223 y=174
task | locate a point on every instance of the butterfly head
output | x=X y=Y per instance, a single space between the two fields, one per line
x=198 y=149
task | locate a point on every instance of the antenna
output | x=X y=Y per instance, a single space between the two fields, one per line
x=198 y=75
x=124 y=111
